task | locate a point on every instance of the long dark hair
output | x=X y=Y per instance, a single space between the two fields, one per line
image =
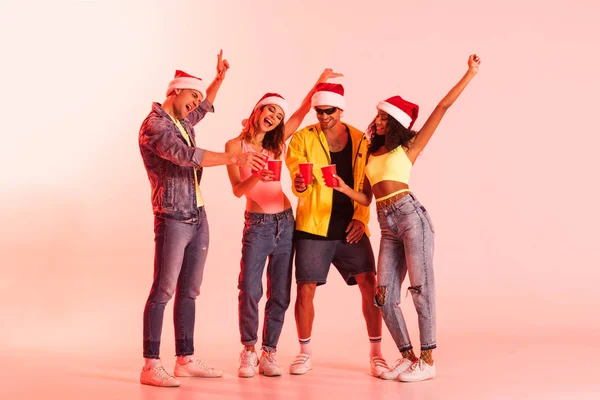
x=395 y=135
x=273 y=140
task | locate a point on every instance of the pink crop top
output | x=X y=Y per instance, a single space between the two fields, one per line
x=268 y=195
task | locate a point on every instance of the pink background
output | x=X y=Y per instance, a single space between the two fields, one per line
x=508 y=177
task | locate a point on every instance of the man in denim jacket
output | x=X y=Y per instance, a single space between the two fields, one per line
x=174 y=166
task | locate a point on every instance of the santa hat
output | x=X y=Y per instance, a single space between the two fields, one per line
x=273 y=98
x=403 y=111
x=184 y=80
x=329 y=94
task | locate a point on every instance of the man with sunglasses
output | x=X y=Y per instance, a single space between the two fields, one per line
x=331 y=228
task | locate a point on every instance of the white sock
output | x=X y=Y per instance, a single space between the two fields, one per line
x=150 y=363
x=305 y=346
x=375 y=346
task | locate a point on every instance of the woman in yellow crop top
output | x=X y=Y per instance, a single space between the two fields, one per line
x=406 y=231
x=268 y=228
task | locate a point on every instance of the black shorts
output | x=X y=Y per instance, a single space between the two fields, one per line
x=314 y=257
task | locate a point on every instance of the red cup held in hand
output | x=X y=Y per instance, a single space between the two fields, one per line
x=328 y=172
x=306 y=170
x=275 y=167
x=257 y=171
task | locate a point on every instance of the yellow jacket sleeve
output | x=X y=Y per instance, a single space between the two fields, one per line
x=296 y=154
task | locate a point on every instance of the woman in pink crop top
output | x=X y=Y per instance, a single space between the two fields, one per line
x=406 y=230
x=268 y=228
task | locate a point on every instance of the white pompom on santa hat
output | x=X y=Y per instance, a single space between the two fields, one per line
x=183 y=80
x=329 y=94
x=403 y=111
x=273 y=98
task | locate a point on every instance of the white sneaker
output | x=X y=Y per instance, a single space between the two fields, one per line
x=401 y=365
x=301 y=364
x=378 y=366
x=196 y=368
x=158 y=376
x=248 y=361
x=267 y=364
x=419 y=371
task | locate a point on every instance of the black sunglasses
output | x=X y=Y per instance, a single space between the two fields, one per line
x=327 y=111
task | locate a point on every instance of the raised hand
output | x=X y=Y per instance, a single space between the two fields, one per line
x=474 y=62
x=222 y=66
x=328 y=73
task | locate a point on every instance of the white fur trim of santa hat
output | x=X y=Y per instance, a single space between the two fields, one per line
x=329 y=94
x=399 y=115
x=273 y=98
x=184 y=80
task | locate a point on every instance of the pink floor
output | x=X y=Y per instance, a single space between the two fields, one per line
x=503 y=368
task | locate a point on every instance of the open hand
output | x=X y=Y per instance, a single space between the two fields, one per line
x=328 y=73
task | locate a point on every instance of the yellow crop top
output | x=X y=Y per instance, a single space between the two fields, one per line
x=391 y=166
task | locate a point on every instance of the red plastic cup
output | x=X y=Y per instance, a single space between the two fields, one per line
x=306 y=169
x=275 y=167
x=328 y=172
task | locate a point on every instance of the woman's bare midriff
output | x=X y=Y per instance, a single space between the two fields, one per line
x=252 y=206
x=384 y=188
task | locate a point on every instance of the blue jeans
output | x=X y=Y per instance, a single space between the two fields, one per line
x=179 y=258
x=266 y=237
x=406 y=246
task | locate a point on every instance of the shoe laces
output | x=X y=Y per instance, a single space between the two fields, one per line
x=248 y=360
x=398 y=363
x=270 y=355
x=418 y=364
x=162 y=372
x=199 y=363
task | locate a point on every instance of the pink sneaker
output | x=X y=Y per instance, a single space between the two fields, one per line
x=378 y=366
x=196 y=368
x=158 y=376
x=419 y=371
x=301 y=365
x=401 y=365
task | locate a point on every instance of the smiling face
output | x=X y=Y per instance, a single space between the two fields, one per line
x=186 y=101
x=328 y=116
x=269 y=118
x=381 y=121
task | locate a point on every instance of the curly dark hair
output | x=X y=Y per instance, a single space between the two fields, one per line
x=273 y=141
x=395 y=135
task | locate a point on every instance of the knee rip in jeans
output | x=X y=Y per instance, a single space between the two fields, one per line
x=415 y=289
x=380 y=293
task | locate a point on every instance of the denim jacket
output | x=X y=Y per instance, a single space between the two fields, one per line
x=170 y=162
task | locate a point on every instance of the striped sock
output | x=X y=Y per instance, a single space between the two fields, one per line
x=375 y=346
x=305 y=346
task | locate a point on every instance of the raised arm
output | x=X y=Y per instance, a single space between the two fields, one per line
x=222 y=68
x=211 y=92
x=422 y=138
x=295 y=120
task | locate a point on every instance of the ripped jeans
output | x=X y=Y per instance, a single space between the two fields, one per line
x=406 y=246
